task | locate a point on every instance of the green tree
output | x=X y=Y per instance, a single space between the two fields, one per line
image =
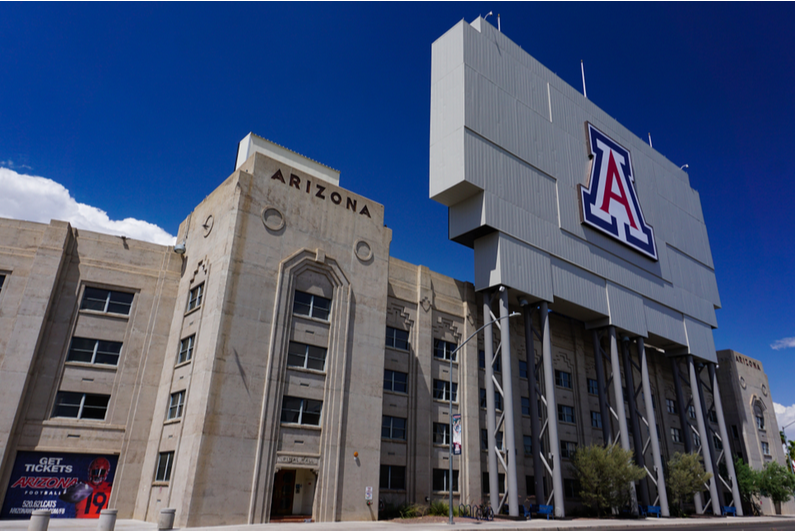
x=747 y=483
x=776 y=483
x=686 y=476
x=605 y=475
x=790 y=453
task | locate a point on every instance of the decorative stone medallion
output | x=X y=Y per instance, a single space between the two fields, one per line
x=273 y=218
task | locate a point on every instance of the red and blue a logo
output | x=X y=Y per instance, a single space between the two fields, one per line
x=610 y=204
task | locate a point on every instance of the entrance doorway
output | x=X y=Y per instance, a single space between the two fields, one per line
x=283 y=487
x=293 y=495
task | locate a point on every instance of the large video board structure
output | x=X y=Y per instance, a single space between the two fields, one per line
x=567 y=210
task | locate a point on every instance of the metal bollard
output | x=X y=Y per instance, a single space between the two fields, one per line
x=166 y=520
x=39 y=520
x=107 y=520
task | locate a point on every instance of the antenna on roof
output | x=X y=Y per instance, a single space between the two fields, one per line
x=498 y=22
x=582 y=69
x=650 y=141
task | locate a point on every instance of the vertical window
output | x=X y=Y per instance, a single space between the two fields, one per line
x=485 y=482
x=691 y=411
x=396 y=338
x=670 y=405
x=566 y=414
x=712 y=416
x=2 y=281
x=107 y=301
x=443 y=349
x=735 y=432
x=497 y=399
x=765 y=448
x=165 y=460
x=596 y=419
x=441 y=480
x=311 y=305
x=441 y=433
x=676 y=435
x=393 y=477
x=393 y=428
x=395 y=381
x=497 y=362
x=525 y=406
x=301 y=411
x=94 y=351
x=563 y=379
x=717 y=442
x=593 y=387
x=186 y=349
x=441 y=390
x=80 y=405
x=696 y=439
x=306 y=356
x=528 y=445
x=760 y=422
x=567 y=449
x=195 y=297
x=175 y=404
x=484 y=439
x=571 y=488
x=522 y=369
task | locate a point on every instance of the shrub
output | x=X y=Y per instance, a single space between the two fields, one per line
x=412 y=511
x=440 y=508
x=776 y=483
x=605 y=475
x=686 y=476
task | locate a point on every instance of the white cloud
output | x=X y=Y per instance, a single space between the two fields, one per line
x=787 y=342
x=40 y=199
x=785 y=415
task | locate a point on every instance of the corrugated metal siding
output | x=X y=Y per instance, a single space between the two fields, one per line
x=627 y=310
x=700 y=340
x=577 y=285
x=665 y=322
x=448 y=51
x=487 y=261
x=525 y=268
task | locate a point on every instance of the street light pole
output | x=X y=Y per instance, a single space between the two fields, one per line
x=450 y=396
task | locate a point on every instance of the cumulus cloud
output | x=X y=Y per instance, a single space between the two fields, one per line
x=40 y=199
x=784 y=416
x=787 y=342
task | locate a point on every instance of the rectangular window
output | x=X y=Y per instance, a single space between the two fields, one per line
x=670 y=405
x=712 y=416
x=717 y=442
x=567 y=449
x=186 y=349
x=306 y=356
x=396 y=338
x=696 y=439
x=528 y=445
x=441 y=433
x=301 y=411
x=2 y=281
x=484 y=439
x=676 y=435
x=522 y=369
x=80 y=405
x=195 y=297
x=175 y=404
x=485 y=483
x=165 y=461
x=393 y=477
x=596 y=419
x=765 y=448
x=395 y=381
x=393 y=428
x=311 y=305
x=525 y=406
x=441 y=480
x=106 y=301
x=691 y=411
x=735 y=432
x=760 y=422
x=571 y=488
x=443 y=349
x=441 y=391
x=566 y=414
x=497 y=399
x=94 y=351
x=593 y=387
x=563 y=379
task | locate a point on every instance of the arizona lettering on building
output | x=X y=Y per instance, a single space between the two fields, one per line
x=321 y=192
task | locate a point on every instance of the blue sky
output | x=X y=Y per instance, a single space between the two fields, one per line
x=136 y=110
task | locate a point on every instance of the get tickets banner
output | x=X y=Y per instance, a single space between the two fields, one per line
x=67 y=485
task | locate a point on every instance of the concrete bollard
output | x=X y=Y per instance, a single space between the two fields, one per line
x=107 y=520
x=166 y=520
x=39 y=520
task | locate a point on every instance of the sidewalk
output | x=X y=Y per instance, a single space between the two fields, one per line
x=461 y=524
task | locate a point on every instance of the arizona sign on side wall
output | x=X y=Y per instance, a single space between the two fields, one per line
x=610 y=203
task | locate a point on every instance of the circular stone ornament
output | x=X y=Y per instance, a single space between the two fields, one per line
x=207 y=226
x=764 y=389
x=363 y=250
x=273 y=218
x=742 y=382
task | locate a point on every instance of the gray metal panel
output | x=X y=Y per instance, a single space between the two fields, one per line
x=693 y=276
x=487 y=262
x=574 y=284
x=626 y=310
x=502 y=260
x=700 y=341
x=466 y=216
x=665 y=322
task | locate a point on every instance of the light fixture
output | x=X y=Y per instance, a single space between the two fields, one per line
x=683 y=166
x=180 y=248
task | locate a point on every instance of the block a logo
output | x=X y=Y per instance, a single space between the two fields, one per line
x=610 y=203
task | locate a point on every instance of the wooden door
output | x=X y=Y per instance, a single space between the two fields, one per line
x=283 y=489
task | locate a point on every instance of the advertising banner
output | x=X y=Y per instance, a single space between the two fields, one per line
x=456 y=434
x=67 y=485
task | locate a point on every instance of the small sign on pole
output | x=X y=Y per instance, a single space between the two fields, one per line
x=368 y=493
x=456 y=434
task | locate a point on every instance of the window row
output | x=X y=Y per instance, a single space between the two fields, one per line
x=393 y=477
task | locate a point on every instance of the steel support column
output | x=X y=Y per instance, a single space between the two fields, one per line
x=637 y=436
x=618 y=391
x=710 y=440
x=538 y=469
x=552 y=412
x=607 y=434
x=509 y=439
x=702 y=431
x=685 y=425
x=724 y=435
x=491 y=415
x=655 y=443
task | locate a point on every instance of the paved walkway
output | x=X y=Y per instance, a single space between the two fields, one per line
x=461 y=524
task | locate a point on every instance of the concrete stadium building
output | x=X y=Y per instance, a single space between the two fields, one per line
x=278 y=362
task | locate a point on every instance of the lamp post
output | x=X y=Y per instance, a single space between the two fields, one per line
x=450 y=396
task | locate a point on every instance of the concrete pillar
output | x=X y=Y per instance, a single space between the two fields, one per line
x=607 y=433
x=107 y=520
x=724 y=435
x=39 y=520
x=655 y=443
x=685 y=424
x=535 y=428
x=491 y=415
x=166 y=520
x=552 y=412
x=509 y=440
x=637 y=435
x=702 y=432
x=619 y=404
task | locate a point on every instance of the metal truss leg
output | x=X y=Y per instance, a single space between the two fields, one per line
x=538 y=469
x=725 y=436
x=618 y=392
x=607 y=434
x=702 y=431
x=491 y=415
x=552 y=412
x=507 y=388
x=685 y=424
x=637 y=435
x=655 y=443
